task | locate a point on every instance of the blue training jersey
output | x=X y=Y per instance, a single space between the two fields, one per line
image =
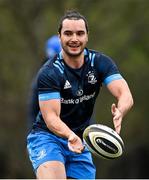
x=77 y=89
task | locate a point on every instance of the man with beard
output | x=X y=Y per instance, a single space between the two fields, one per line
x=68 y=86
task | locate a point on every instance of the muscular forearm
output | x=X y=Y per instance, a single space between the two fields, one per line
x=124 y=98
x=125 y=102
x=51 y=114
x=120 y=110
x=58 y=127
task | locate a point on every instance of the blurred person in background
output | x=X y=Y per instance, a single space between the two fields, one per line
x=68 y=86
x=52 y=47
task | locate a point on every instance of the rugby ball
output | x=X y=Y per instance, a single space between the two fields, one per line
x=103 y=141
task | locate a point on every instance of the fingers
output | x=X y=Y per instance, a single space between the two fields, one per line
x=117 y=125
x=113 y=108
x=118 y=129
x=75 y=144
x=117 y=118
x=76 y=149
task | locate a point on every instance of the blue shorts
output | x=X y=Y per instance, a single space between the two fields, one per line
x=44 y=146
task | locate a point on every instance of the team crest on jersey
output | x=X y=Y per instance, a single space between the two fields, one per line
x=91 y=78
x=80 y=92
x=41 y=154
x=67 y=85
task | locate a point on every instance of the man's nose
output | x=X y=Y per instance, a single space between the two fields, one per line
x=74 y=37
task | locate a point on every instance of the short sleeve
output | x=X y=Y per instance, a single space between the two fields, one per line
x=48 y=84
x=107 y=69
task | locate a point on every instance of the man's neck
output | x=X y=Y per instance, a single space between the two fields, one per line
x=73 y=61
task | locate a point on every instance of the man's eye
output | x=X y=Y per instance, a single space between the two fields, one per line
x=80 y=33
x=68 y=33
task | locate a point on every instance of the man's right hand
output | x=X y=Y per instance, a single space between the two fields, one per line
x=75 y=143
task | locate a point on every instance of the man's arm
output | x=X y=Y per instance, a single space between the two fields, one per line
x=50 y=110
x=120 y=90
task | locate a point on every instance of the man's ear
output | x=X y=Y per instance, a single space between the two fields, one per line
x=87 y=35
x=59 y=35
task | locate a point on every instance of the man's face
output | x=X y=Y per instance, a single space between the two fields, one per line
x=73 y=37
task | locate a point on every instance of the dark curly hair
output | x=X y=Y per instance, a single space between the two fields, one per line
x=72 y=15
